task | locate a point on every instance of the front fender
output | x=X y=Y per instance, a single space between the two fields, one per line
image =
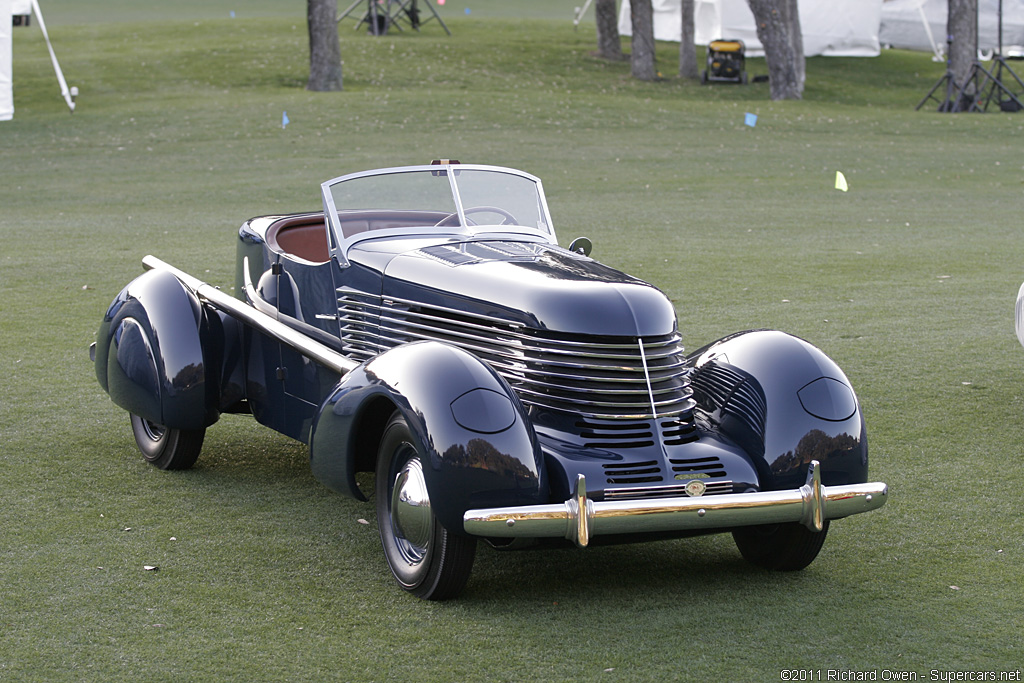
x=150 y=356
x=786 y=403
x=479 y=448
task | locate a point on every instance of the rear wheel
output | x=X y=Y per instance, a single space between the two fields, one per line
x=168 y=449
x=783 y=547
x=425 y=558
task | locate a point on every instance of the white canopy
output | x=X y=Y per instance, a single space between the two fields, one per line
x=835 y=28
x=921 y=25
x=6 y=58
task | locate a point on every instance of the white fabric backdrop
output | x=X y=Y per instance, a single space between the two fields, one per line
x=6 y=58
x=834 y=28
x=904 y=27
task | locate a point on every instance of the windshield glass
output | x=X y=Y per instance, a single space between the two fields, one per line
x=395 y=191
x=447 y=198
x=495 y=198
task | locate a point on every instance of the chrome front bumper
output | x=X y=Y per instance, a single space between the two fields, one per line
x=579 y=518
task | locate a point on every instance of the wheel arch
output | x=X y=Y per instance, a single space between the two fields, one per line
x=786 y=403
x=154 y=353
x=474 y=435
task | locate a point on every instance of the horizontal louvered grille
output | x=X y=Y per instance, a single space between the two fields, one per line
x=696 y=468
x=709 y=471
x=678 y=431
x=616 y=434
x=718 y=386
x=357 y=314
x=590 y=376
x=633 y=472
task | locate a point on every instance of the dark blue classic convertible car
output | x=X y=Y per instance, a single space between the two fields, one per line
x=426 y=327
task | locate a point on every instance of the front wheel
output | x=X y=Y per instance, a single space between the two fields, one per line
x=425 y=558
x=168 y=449
x=783 y=547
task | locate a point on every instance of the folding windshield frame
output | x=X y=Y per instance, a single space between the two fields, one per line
x=340 y=243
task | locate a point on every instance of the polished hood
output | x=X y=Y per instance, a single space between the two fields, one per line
x=542 y=286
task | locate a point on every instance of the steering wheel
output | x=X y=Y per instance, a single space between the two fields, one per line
x=449 y=220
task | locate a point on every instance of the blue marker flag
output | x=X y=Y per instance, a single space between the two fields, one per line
x=750 y=119
x=284 y=119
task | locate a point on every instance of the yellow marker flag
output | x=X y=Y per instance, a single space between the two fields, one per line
x=841 y=182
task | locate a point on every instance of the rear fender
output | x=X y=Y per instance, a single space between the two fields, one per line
x=479 y=448
x=150 y=355
x=786 y=403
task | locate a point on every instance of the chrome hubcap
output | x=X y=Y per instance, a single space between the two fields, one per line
x=411 y=516
x=153 y=430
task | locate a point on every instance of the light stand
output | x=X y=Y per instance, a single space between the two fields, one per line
x=381 y=19
x=1008 y=100
x=372 y=16
x=950 y=102
x=987 y=86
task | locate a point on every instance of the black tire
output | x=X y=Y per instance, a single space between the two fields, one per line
x=782 y=547
x=168 y=449
x=426 y=559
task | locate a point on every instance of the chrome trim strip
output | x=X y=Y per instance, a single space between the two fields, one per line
x=263 y=306
x=254 y=299
x=811 y=505
x=316 y=351
x=647 y=377
x=714 y=488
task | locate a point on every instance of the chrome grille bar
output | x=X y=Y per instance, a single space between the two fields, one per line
x=601 y=377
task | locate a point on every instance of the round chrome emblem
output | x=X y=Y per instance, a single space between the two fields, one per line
x=695 y=488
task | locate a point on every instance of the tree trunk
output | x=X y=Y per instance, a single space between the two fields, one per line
x=609 y=44
x=642 y=53
x=687 y=48
x=324 y=50
x=778 y=29
x=962 y=26
x=796 y=41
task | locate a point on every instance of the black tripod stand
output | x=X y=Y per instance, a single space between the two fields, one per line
x=982 y=86
x=997 y=89
x=946 y=84
x=381 y=15
x=987 y=87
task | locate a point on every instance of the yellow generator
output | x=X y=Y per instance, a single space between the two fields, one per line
x=726 y=61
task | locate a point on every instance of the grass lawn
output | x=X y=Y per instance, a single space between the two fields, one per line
x=907 y=280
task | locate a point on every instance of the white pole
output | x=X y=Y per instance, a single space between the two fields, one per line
x=936 y=50
x=69 y=95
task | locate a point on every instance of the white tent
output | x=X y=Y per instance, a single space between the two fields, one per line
x=921 y=25
x=835 y=28
x=6 y=57
x=8 y=10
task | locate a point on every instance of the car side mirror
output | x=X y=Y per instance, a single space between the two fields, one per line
x=581 y=245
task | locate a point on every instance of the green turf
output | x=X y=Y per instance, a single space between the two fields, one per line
x=908 y=280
